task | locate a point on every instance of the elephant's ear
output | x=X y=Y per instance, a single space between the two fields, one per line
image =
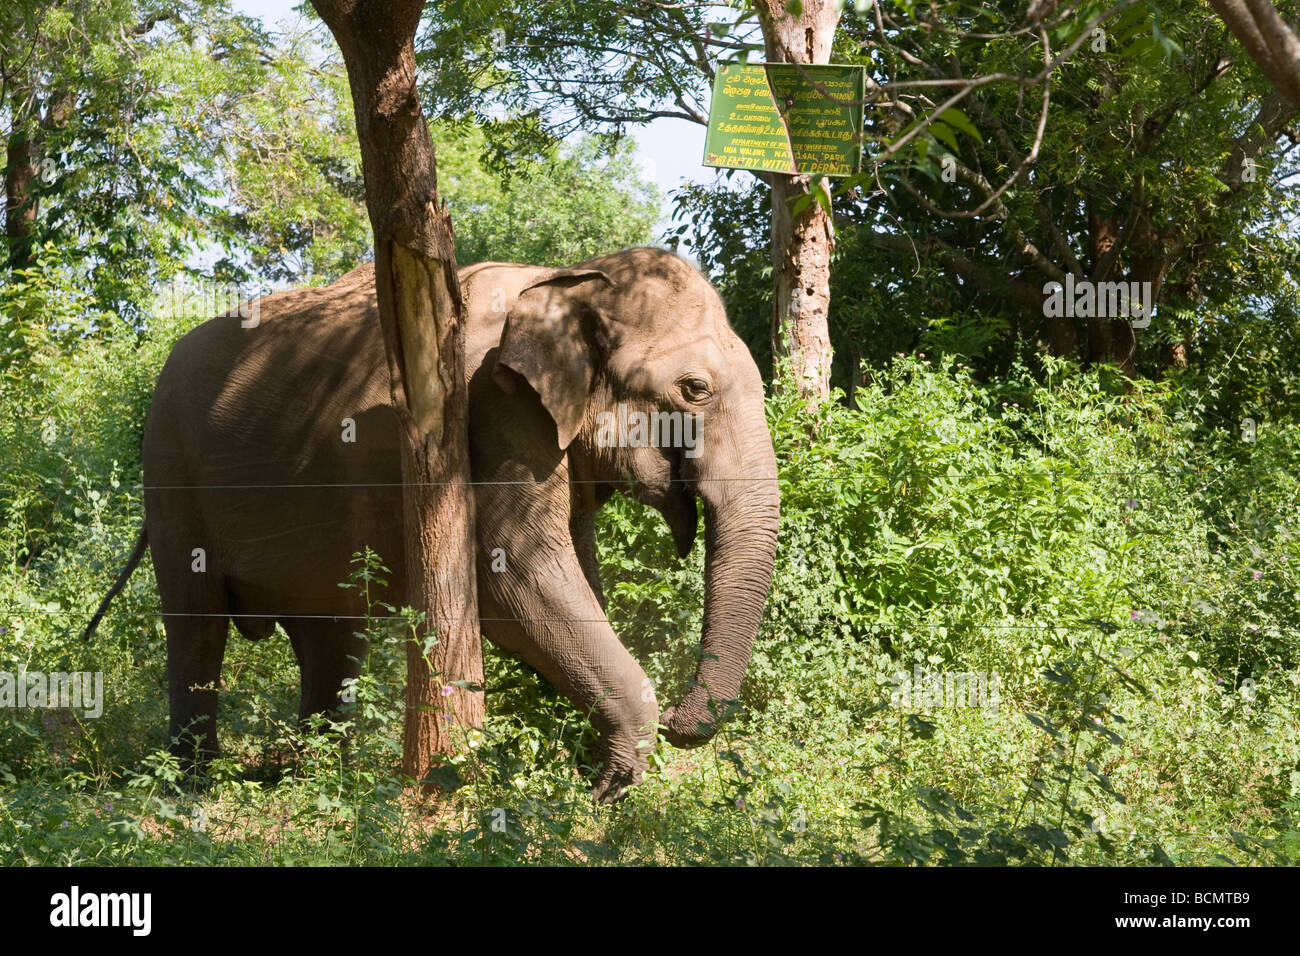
x=545 y=342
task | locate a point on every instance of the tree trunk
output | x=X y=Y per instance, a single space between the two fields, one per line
x=1064 y=335
x=855 y=377
x=1111 y=341
x=420 y=311
x=802 y=244
x=26 y=152
x=20 y=207
x=21 y=158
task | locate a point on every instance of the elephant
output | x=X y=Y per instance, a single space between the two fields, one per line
x=256 y=495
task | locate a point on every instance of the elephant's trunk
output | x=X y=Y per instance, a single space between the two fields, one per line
x=741 y=514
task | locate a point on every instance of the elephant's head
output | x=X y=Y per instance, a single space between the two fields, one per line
x=632 y=356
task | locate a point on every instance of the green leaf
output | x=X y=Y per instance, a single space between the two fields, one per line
x=956 y=118
x=444 y=778
x=944 y=134
x=822 y=196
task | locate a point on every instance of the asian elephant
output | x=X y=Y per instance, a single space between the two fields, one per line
x=248 y=457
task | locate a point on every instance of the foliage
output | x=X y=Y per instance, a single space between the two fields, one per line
x=187 y=138
x=293 y=170
x=1166 y=159
x=117 y=106
x=572 y=204
x=530 y=75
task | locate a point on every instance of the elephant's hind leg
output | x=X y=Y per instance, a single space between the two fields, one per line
x=189 y=566
x=328 y=653
x=196 y=644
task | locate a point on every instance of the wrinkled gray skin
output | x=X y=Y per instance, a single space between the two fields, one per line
x=546 y=351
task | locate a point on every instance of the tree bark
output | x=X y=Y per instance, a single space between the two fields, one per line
x=802 y=244
x=1269 y=40
x=26 y=151
x=420 y=312
x=1110 y=340
x=20 y=206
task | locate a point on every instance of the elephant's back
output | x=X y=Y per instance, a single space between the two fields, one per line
x=274 y=439
x=276 y=375
x=305 y=354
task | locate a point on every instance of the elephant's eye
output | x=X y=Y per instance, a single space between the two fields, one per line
x=695 y=389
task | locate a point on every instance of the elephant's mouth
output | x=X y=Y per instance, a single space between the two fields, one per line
x=678 y=507
x=672 y=493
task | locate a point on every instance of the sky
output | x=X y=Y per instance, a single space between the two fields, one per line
x=669 y=150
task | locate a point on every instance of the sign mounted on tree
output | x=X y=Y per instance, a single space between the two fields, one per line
x=786 y=118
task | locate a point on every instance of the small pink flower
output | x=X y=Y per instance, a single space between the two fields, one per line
x=1132 y=615
x=448 y=690
x=1258 y=575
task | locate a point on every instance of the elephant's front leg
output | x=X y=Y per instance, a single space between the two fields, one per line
x=564 y=635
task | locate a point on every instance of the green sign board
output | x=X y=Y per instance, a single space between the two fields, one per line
x=784 y=118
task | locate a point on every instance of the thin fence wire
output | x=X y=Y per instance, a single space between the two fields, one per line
x=867 y=626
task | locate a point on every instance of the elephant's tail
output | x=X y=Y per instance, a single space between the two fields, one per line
x=141 y=543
